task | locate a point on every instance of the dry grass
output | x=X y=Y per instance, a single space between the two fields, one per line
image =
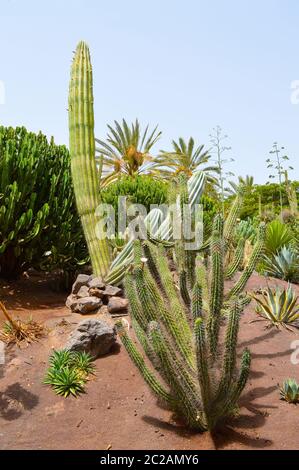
x=17 y=331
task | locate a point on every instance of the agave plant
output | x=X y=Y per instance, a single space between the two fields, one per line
x=290 y=391
x=278 y=235
x=186 y=159
x=126 y=151
x=279 y=307
x=284 y=265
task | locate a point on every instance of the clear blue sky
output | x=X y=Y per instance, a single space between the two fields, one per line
x=187 y=65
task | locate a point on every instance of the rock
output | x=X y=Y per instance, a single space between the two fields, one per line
x=93 y=336
x=83 y=292
x=71 y=301
x=96 y=283
x=82 y=280
x=86 y=305
x=117 y=304
x=112 y=291
x=95 y=292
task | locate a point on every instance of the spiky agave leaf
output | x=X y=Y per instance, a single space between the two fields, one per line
x=280 y=307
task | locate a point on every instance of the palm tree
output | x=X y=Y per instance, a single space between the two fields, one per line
x=185 y=158
x=126 y=151
x=246 y=183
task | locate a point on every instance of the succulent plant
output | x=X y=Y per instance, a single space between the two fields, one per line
x=290 y=391
x=278 y=306
x=284 y=265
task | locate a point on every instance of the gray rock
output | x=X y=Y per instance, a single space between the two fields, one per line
x=96 y=283
x=93 y=336
x=117 y=304
x=112 y=291
x=87 y=305
x=71 y=301
x=83 y=292
x=82 y=280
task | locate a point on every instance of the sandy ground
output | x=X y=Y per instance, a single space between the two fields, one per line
x=118 y=409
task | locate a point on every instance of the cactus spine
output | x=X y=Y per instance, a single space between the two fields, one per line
x=82 y=149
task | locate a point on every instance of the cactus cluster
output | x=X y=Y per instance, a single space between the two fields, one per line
x=190 y=344
x=39 y=226
x=82 y=148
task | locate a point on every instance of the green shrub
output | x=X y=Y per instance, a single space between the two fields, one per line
x=39 y=225
x=141 y=189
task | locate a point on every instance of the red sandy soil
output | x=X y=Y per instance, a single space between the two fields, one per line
x=118 y=411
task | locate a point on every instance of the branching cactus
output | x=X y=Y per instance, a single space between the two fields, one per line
x=189 y=359
x=82 y=149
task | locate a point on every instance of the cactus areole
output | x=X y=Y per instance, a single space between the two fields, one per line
x=82 y=149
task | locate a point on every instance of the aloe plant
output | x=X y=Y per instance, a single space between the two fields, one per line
x=290 y=391
x=83 y=163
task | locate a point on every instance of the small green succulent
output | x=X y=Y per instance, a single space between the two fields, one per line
x=68 y=372
x=82 y=361
x=65 y=381
x=280 y=307
x=290 y=391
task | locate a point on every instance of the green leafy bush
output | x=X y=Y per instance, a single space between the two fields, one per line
x=141 y=189
x=39 y=225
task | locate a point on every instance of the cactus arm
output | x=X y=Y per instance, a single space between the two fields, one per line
x=254 y=259
x=197 y=302
x=203 y=366
x=217 y=283
x=231 y=338
x=154 y=384
x=83 y=164
x=237 y=261
x=176 y=379
x=231 y=220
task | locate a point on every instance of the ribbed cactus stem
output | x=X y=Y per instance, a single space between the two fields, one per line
x=217 y=283
x=203 y=365
x=176 y=377
x=154 y=384
x=184 y=288
x=82 y=149
x=231 y=220
x=231 y=338
x=196 y=304
x=237 y=260
x=254 y=259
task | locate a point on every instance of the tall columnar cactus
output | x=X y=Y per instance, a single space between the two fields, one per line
x=82 y=149
x=191 y=369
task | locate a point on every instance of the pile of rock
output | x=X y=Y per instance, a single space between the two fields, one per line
x=91 y=295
